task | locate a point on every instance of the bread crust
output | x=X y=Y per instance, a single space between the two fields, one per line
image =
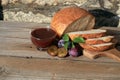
x=87 y=36
x=63 y=18
x=94 y=42
x=96 y=48
x=99 y=41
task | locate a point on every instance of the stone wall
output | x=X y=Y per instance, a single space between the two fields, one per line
x=41 y=11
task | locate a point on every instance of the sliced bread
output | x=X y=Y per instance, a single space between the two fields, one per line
x=99 y=40
x=93 y=33
x=97 y=47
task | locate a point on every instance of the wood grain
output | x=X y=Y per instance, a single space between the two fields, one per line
x=15 y=41
x=20 y=60
x=112 y=53
x=57 y=69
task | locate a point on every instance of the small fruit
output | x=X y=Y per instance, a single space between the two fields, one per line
x=62 y=52
x=61 y=43
x=73 y=52
x=52 y=50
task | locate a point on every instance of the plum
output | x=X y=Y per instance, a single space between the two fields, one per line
x=52 y=50
x=61 y=43
x=73 y=52
x=62 y=52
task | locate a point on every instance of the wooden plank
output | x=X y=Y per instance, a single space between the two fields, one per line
x=15 y=41
x=48 y=69
x=14 y=24
x=20 y=60
x=24 y=48
x=112 y=53
x=18 y=29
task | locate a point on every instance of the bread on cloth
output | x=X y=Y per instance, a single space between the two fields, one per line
x=72 y=19
x=93 y=33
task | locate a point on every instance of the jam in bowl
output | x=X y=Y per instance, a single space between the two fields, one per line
x=43 y=37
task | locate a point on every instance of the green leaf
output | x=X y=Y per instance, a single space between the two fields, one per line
x=66 y=45
x=65 y=37
x=73 y=46
x=78 y=40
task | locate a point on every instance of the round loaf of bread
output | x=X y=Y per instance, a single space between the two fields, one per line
x=72 y=19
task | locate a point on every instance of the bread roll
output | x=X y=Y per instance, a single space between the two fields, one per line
x=72 y=19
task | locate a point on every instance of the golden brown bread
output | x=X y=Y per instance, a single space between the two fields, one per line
x=97 y=47
x=94 y=33
x=95 y=39
x=100 y=40
x=72 y=19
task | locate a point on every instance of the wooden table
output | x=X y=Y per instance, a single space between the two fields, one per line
x=20 y=60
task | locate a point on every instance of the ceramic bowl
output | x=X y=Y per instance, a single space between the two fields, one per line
x=43 y=37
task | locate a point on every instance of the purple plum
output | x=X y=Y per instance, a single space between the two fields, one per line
x=61 y=43
x=73 y=52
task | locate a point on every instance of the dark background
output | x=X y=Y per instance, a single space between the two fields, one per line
x=104 y=18
x=1 y=11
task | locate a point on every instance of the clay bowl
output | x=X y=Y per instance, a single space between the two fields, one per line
x=42 y=37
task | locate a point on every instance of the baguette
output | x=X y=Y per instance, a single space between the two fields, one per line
x=72 y=19
x=97 y=47
x=93 y=33
x=99 y=40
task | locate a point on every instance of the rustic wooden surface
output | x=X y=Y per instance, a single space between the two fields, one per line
x=20 y=60
x=112 y=53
